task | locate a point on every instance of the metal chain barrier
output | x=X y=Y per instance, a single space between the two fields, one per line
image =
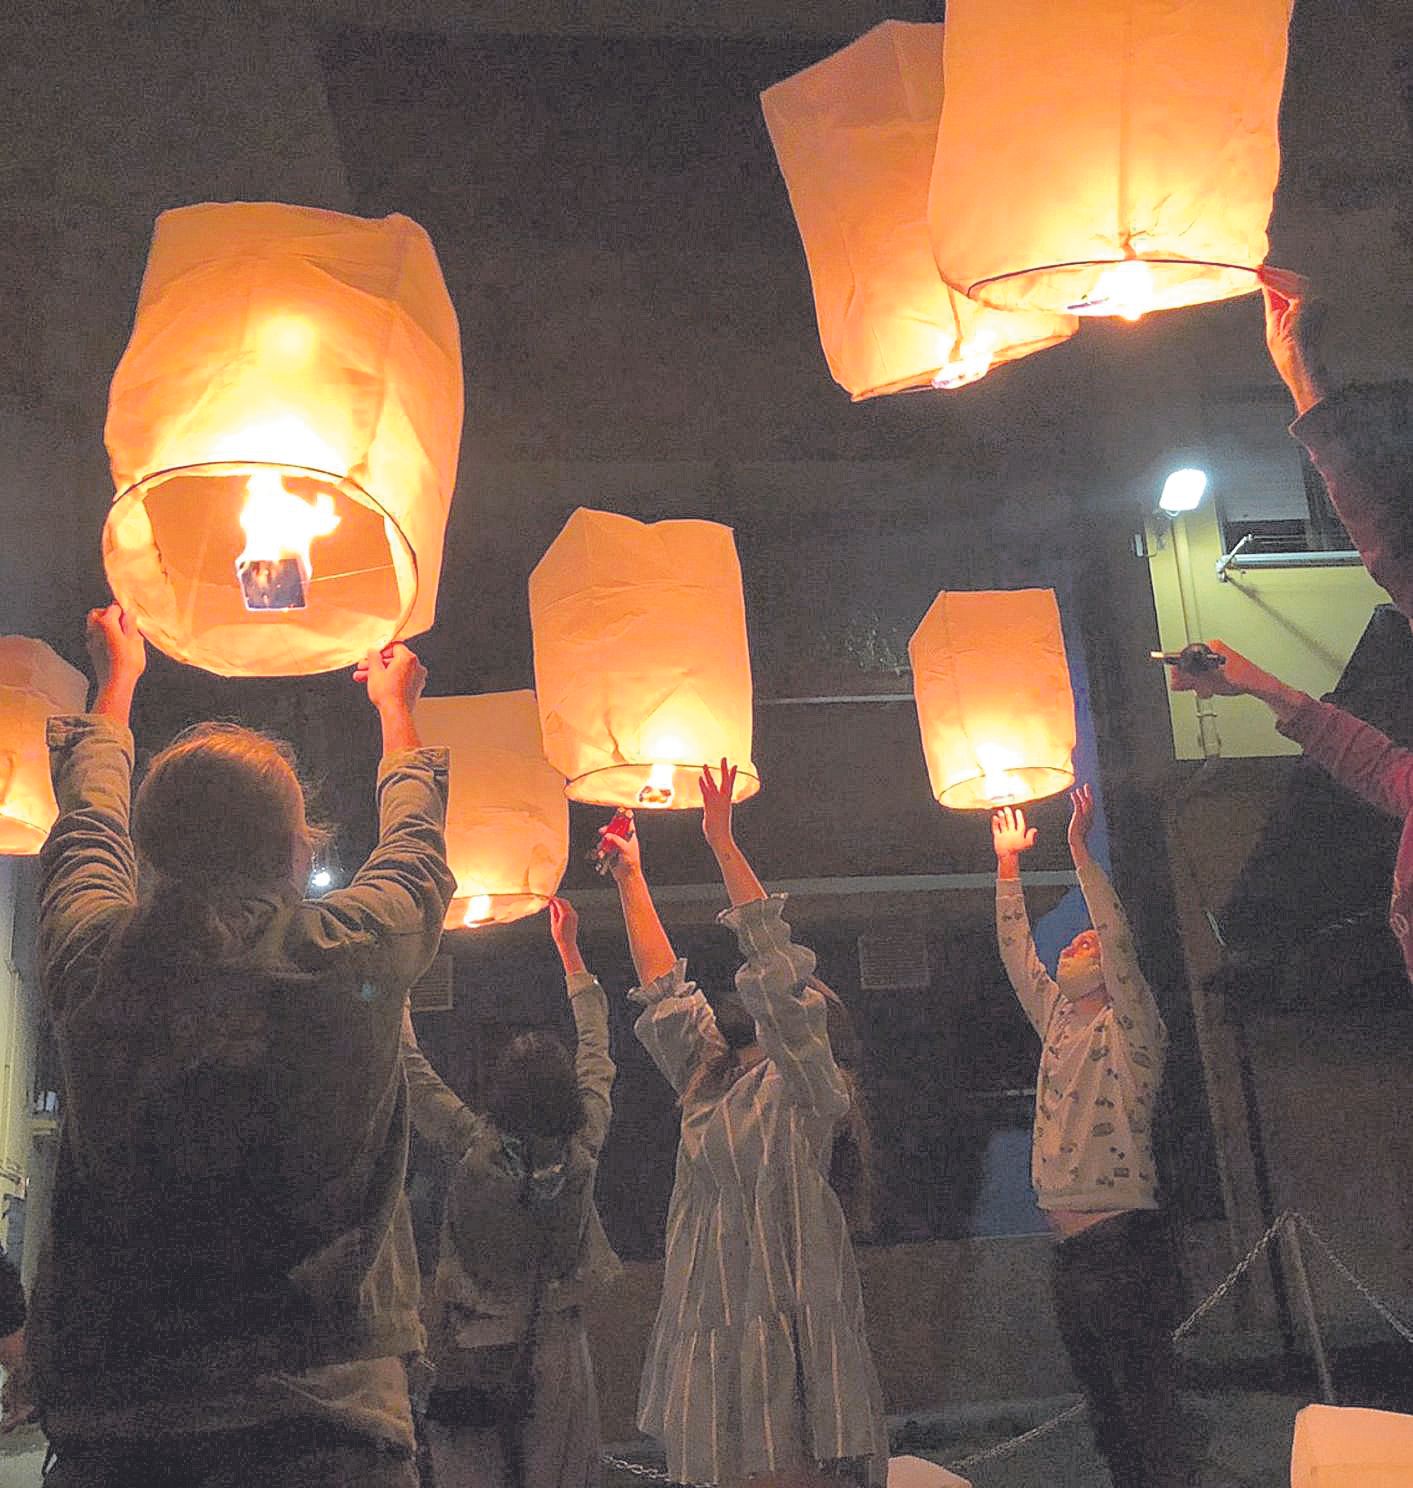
x=1289 y=1218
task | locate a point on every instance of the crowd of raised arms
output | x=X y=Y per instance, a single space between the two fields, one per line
x=230 y=1295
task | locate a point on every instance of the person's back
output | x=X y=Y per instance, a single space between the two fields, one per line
x=230 y=1273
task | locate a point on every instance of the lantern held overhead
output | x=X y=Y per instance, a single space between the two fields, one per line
x=855 y=136
x=283 y=430
x=35 y=684
x=642 y=667
x=507 y=826
x=994 y=701
x=1107 y=157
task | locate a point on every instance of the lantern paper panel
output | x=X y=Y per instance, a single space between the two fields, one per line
x=855 y=136
x=1107 y=157
x=1351 y=1447
x=642 y=667
x=283 y=431
x=35 y=684
x=507 y=827
x=994 y=701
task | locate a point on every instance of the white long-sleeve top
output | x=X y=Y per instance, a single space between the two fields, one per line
x=1092 y=1147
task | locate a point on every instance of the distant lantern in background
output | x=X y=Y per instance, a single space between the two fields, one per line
x=642 y=667
x=283 y=430
x=507 y=826
x=1107 y=157
x=994 y=701
x=34 y=685
x=855 y=136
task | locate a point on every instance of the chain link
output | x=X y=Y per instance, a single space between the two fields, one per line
x=1287 y=1218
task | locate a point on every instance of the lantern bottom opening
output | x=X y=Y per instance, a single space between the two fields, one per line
x=982 y=792
x=20 y=838
x=1088 y=286
x=171 y=547
x=503 y=909
x=640 y=787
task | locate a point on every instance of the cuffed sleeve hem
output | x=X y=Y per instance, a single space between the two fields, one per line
x=64 y=729
x=436 y=758
x=581 y=981
x=759 y=925
x=672 y=983
x=1010 y=888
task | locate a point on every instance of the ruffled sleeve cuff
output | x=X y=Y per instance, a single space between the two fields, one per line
x=581 y=981
x=670 y=984
x=760 y=927
x=65 y=729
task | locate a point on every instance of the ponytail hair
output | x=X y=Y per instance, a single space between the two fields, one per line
x=851 y=1162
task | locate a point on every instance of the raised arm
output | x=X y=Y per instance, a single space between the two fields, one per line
x=593 y=1064
x=791 y=1017
x=391 y=914
x=1123 y=977
x=742 y=885
x=1354 y=752
x=88 y=870
x=1033 y=985
x=438 y=1113
x=652 y=952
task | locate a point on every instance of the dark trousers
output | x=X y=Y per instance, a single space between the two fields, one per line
x=1117 y=1299
x=286 y=1454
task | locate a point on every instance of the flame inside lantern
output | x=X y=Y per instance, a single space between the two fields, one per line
x=1125 y=290
x=478 y=910
x=275 y=567
x=660 y=790
x=997 y=781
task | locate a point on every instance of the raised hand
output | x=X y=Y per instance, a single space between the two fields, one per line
x=1009 y=834
x=394 y=676
x=1081 y=821
x=1292 y=325
x=625 y=854
x=564 y=931
x=1235 y=679
x=115 y=645
x=716 y=804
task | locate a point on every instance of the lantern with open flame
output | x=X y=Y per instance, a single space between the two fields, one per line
x=34 y=685
x=507 y=825
x=283 y=430
x=994 y=701
x=855 y=136
x=1109 y=157
x=642 y=667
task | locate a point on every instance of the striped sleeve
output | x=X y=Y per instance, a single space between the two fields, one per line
x=676 y=1025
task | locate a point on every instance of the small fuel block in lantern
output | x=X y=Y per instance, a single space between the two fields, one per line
x=273 y=583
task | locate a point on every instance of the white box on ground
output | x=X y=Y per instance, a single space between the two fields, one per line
x=917 y=1472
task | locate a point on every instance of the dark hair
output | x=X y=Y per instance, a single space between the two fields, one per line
x=534 y=1091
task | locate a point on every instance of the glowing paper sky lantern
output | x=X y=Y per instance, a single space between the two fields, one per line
x=855 y=136
x=1107 y=157
x=641 y=662
x=994 y=701
x=34 y=685
x=283 y=430
x=507 y=828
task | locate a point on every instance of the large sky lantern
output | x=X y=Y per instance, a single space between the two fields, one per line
x=1108 y=157
x=994 y=701
x=507 y=828
x=283 y=430
x=35 y=684
x=642 y=667
x=855 y=136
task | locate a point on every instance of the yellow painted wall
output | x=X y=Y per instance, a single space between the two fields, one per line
x=1300 y=623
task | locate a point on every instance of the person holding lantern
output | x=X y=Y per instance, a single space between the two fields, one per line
x=230 y=1285
x=1360 y=437
x=1116 y=1287
x=522 y=1250
x=759 y=1366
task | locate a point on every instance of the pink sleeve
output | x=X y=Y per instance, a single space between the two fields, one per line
x=1355 y=753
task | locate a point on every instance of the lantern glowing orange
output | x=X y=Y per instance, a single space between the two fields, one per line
x=994 y=701
x=34 y=685
x=1107 y=157
x=1351 y=1447
x=283 y=430
x=507 y=825
x=642 y=667
x=855 y=136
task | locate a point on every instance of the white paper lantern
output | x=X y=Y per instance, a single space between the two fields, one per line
x=35 y=684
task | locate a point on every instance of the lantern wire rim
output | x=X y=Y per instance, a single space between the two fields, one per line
x=456 y=923
x=978 y=286
x=743 y=775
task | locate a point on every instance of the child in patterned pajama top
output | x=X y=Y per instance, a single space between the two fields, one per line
x=1103 y=1042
